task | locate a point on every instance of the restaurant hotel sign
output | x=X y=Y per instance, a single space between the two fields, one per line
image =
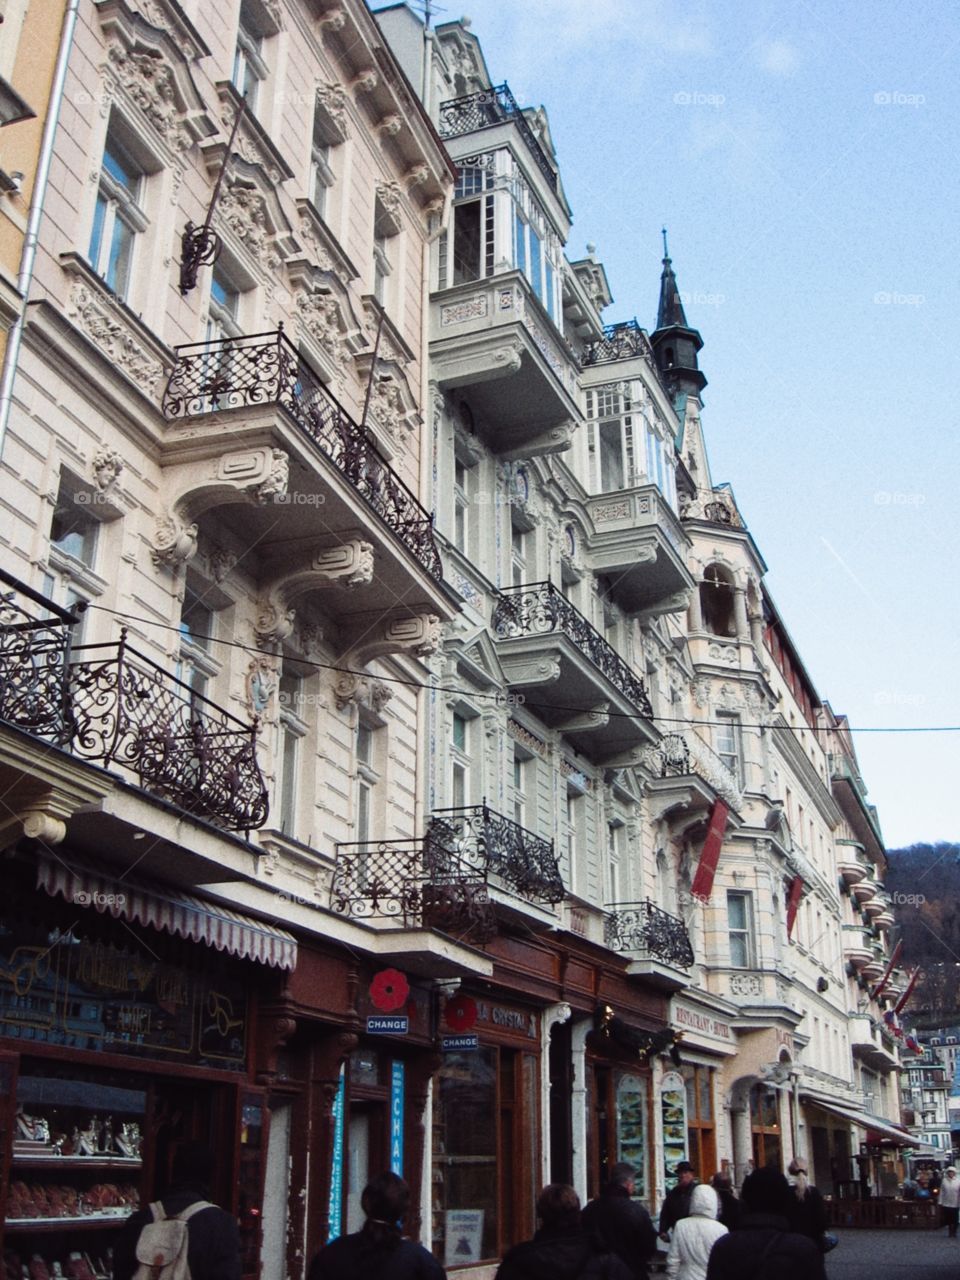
x=699 y=1025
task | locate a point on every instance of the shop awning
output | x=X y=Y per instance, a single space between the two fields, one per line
x=866 y=1120
x=168 y=909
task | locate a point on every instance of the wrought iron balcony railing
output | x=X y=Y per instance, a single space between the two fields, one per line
x=538 y=608
x=111 y=705
x=621 y=341
x=499 y=847
x=418 y=882
x=679 y=754
x=490 y=107
x=265 y=368
x=649 y=932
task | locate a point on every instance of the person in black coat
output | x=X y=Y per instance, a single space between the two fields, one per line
x=213 y=1238
x=621 y=1223
x=676 y=1203
x=378 y=1248
x=730 y=1206
x=807 y=1213
x=763 y=1245
x=561 y=1249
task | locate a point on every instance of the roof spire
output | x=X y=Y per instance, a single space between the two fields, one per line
x=666 y=251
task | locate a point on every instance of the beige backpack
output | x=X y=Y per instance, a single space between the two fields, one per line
x=162 y=1244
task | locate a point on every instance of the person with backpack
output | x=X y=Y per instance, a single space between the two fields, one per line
x=378 y=1251
x=181 y=1236
x=763 y=1247
x=561 y=1249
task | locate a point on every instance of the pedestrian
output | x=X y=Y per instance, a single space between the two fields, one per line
x=379 y=1247
x=950 y=1201
x=695 y=1236
x=807 y=1213
x=676 y=1203
x=213 y=1238
x=763 y=1247
x=730 y=1207
x=561 y=1249
x=621 y=1222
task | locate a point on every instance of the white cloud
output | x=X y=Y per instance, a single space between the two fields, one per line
x=776 y=57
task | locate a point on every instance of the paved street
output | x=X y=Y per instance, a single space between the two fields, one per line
x=894 y=1255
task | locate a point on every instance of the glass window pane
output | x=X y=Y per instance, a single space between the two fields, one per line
x=460 y=733
x=118 y=267
x=739 y=956
x=465 y=1146
x=611 y=456
x=535 y=251
x=120 y=168
x=96 y=235
x=288 y=789
x=521 y=243
x=737 y=911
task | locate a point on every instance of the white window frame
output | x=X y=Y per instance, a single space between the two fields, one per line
x=728 y=729
x=249 y=68
x=461 y=504
x=460 y=761
x=616 y=832
x=118 y=213
x=745 y=932
x=293 y=730
x=197 y=667
x=367 y=749
x=382 y=268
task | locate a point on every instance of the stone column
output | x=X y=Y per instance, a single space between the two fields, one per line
x=578 y=1105
x=696 y=613
x=740 y=613
x=556 y=1013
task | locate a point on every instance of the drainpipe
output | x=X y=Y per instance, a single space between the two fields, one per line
x=29 y=252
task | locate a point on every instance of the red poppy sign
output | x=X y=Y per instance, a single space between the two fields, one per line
x=389 y=990
x=461 y=1013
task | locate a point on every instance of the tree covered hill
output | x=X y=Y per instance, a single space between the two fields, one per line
x=924 y=882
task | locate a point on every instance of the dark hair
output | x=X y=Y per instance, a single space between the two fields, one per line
x=558 y=1206
x=385 y=1201
x=766 y=1191
x=721 y=1182
x=621 y=1175
x=192 y=1167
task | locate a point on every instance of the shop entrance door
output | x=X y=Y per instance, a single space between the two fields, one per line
x=358 y=1165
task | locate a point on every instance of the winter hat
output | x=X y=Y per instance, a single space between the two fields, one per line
x=704 y=1203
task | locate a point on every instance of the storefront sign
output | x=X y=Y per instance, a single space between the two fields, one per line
x=396 y=1118
x=336 y=1170
x=689 y=1020
x=388 y=1025
x=521 y=1022
x=83 y=994
x=453 y=1044
x=464 y=1236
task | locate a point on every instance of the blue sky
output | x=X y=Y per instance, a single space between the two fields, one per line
x=804 y=159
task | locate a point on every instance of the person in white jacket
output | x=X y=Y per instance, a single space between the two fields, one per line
x=694 y=1237
x=950 y=1202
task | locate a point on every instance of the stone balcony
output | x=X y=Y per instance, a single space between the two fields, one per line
x=639 y=545
x=690 y=776
x=576 y=680
x=494 y=337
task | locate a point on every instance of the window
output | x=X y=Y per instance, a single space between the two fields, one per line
x=466 y=252
x=461 y=504
x=367 y=780
x=460 y=762
x=74 y=550
x=701 y=1139
x=575 y=812
x=728 y=744
x=467 y=242
x=716 y=601
x=197 y=628
x=223 y=308
x=74 y=530
x=249 y=68
x=518 y=556
x=381 y=268
x=118 y=216
x=740 y=929
x=522 y=768
x=292 y=731
x=615 y=834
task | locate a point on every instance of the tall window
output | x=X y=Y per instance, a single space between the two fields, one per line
x=461 y=504
x=716 y=601
x=628 y=444
x=460 y=762
x=740 y=929
x=223 y=308
x=197 y=632
x=728 y=743
x=292 y=731
x=521 y=779
x=118 y=217
x=701 y=1134
x=249 y=68
x=321 y=175
x=381 y=268
x=73 y=530
x=518 y=556
x=615 y=835
x=368 y=776
x=74 y=548
x=575 y=834
x=471 y=246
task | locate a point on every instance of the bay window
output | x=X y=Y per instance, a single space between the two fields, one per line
x=627 y=444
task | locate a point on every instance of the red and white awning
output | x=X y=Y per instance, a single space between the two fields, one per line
x=167 y=909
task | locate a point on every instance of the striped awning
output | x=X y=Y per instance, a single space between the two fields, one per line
x=167 y=909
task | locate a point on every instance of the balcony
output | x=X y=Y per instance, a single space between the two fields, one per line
x=657 y=942
x=485 y=110
x=623 y=341
x=640 y=546
x=498 y=848
x=569 y=674
x=493 y=336
x=690 y=776
x=857 y=946
x=114 y=707
x=238 y=379
x=417 y=884
x=871 y=1045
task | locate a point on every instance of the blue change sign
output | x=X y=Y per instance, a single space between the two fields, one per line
x=336 y=1172
x=396 y=1118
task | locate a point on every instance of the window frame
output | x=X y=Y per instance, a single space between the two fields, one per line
x=118 y=212
x=746 y=932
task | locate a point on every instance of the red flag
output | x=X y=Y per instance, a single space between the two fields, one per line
x=894 y=959
x=710 y=854
x=793 y=901
x=909 y=991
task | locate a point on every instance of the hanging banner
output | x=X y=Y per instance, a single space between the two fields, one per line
x=396 y=1118
x=894 y=961
x=710 y=854
x=336 y=1172
x=901 y=1003
x=793 y=902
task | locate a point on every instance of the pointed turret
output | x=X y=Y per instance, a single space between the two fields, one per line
x=674 y=343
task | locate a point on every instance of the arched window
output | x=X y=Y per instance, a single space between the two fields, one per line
x=716 y=601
